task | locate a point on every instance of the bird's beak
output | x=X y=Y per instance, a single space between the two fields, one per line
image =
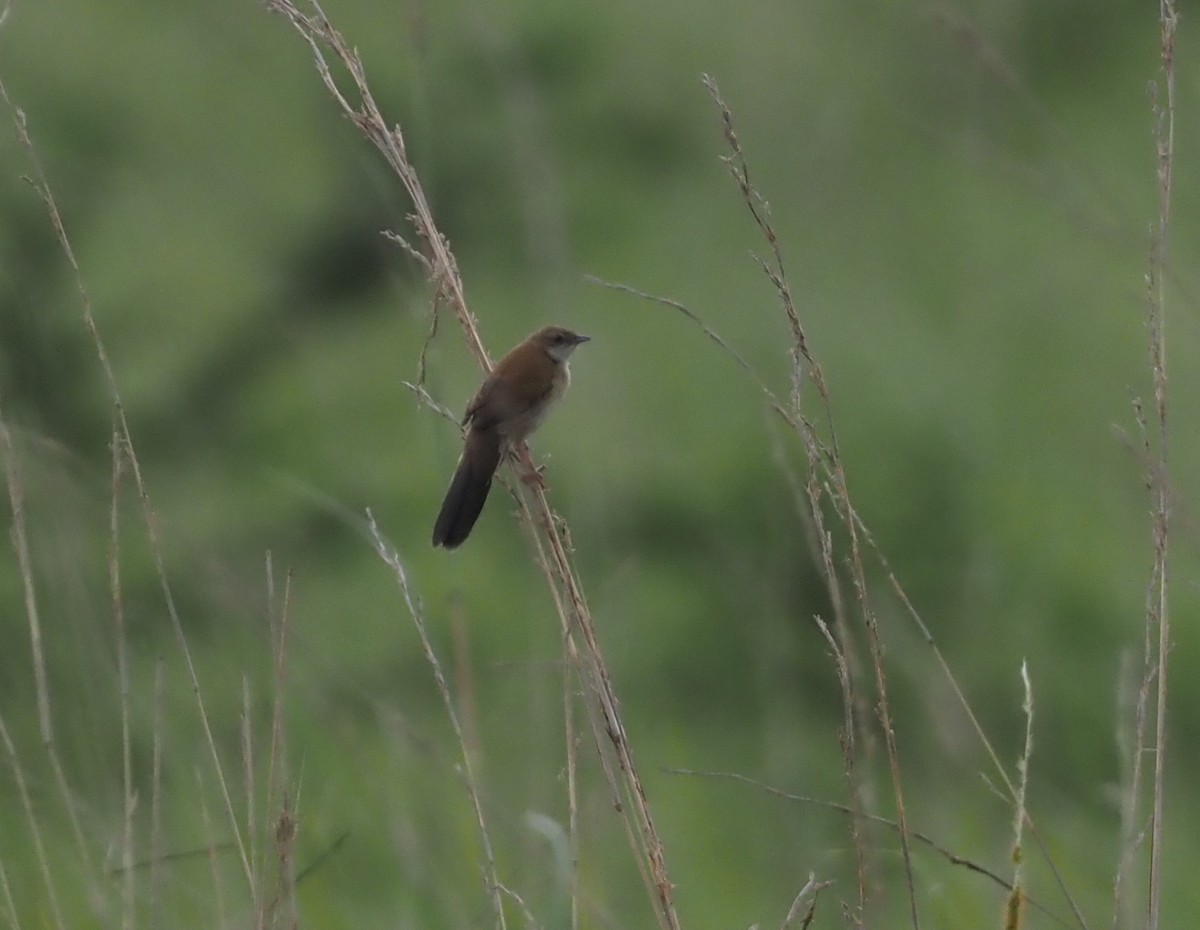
x=579 y=339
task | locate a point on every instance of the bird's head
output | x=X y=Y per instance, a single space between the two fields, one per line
x=558 y=342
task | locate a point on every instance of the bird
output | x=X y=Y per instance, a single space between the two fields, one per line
x=510 y=404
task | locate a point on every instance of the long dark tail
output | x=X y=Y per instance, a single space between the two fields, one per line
x=468 y=489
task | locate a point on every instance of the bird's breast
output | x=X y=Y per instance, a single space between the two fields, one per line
x=517 y=427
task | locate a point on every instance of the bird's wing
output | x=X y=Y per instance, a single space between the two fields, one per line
x=503 y=397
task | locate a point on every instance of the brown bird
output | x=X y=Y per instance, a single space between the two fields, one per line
x=510 y=404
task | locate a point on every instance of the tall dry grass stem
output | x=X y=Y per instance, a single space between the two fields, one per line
x=826 y=482
x=546 y=527
x=149 y=514
x=825 y=466
x=1015 y=903
x=123 y=461
x=491 y=876
x=116 y=595
x=846 y=738
x=279 y=612
x=805 y=368
x=1157 y=613
x=157 y=726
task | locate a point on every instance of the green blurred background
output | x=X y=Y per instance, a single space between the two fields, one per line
x=964 y=194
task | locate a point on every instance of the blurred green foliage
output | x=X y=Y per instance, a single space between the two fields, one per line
x=963 y=195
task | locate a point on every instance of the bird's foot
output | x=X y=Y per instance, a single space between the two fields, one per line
x=527 y=471
x=534 y=478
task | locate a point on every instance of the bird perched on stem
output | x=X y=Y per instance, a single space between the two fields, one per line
x=510 y=404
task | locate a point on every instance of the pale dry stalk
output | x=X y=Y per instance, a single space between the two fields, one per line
x=553 y=550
